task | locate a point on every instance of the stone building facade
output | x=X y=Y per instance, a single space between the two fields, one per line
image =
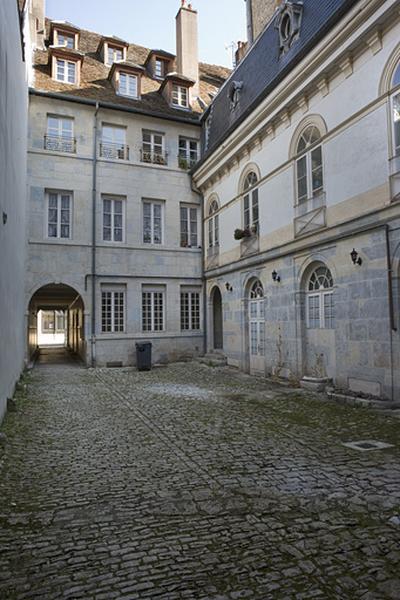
x=300 y=179
x=13 y=128
x=115 y=236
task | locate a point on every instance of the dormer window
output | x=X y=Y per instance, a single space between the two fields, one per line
x=66 y=71
x=63 y=39
x=128 y=85
x=114 y=55
x=160 y=68
x=180 y=96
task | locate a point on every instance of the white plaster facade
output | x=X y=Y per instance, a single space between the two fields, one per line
x=13 y=128
x=344 y=87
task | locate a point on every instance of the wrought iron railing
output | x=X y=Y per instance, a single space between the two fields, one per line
x=154 y=157
x=114 y=151
x=59 y=143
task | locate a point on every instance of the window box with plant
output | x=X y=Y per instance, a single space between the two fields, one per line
x=247 y=232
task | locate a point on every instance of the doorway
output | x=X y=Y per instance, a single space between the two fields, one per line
x=257 y=328
x=218 y=333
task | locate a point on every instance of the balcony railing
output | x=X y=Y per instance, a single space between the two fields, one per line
x=59 y=143
x=186 y=163
x=154 y=157
x=114 y=151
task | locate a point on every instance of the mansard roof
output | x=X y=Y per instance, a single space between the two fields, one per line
x=265 y=65
x=96 y=85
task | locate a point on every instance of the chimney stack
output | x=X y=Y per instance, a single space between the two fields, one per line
x=187 y=53
x=37 y=23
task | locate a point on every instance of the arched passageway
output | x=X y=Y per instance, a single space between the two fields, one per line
x=217 y=320
x=56 y=324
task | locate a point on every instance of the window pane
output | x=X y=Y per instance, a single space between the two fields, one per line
x=302 y=179
x=316 y=166
x=255 y=207
x=328 y=311
x=71 y=72
x=314 y=312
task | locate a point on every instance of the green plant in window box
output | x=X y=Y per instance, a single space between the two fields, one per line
x=240 y=234
x=183 y=163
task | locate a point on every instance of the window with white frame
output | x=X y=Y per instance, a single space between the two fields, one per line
x=250 y=202
x=213 y=225
x=153 y=147
x=113 y=142
x=128 y=85
x=309 y=170
x=114 y=55
x=190 y=310
x=152 y=222
x=189 y=226
x=188 y=152
x=60 y=134
x=180 y=96
x=66 y=40
x=153 y=308
x=59 y=209
x=160 y=68
x=112 y=309
x=66 y=71
x=113 y=219
x=396 y=112
x=320 y=307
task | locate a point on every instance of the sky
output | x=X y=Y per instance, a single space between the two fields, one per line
x=151 y=23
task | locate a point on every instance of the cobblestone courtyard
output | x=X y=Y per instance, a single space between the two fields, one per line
x=193 y=482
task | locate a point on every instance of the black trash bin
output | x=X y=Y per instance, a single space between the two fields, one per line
x=143 y=356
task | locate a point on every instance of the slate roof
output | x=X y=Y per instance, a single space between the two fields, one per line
x=95 y=83
x=264 y=66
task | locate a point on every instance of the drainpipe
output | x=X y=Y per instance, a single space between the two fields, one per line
x=391 y=305
x=94 y=195
x=203 y=258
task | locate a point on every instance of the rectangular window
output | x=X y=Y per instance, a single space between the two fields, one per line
x=320 y=311
x=180 y=96
x=396 y=124
x=189 y=227
x=153 y=148
x=188 y=152
x=160 y=68
x=314 y=309
x=112 y=311
x=316 y=170
x=63 y=39
x=128 y=85
x=65 y=71
x=59 y=215
x=190 y=311
x=153 y=309
x=250 y=210
x=113 y=220
x=213 y=231
x=60 y=134
x=113 y=143
x=152 y=222
x=329 y=317
x=114 y=55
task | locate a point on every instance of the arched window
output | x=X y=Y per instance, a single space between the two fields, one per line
x=256 y=290
x=320 y=313
x=213 y=224
x=250 y=201
x=309 y=172
x=396 y=111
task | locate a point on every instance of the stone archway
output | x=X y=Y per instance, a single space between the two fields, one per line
x=56 y=321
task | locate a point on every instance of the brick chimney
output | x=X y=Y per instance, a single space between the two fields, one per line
x=37 y=23
x=187 y=52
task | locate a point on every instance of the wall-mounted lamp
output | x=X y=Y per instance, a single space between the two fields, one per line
x=5 y=217
x=275 y=277
x=228 y=287
x=357 y=260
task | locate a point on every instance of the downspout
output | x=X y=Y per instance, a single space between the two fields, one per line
x=93 y=270
x=391 y=306
x=203 y=258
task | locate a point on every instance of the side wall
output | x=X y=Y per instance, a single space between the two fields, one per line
x=13 y=128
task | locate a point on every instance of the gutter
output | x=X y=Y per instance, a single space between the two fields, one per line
x=94 y=220
x=112 y=106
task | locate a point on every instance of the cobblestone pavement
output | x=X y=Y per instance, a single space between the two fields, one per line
x=193 y=482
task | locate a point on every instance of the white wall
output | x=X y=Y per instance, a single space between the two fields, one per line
x=13 y=129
